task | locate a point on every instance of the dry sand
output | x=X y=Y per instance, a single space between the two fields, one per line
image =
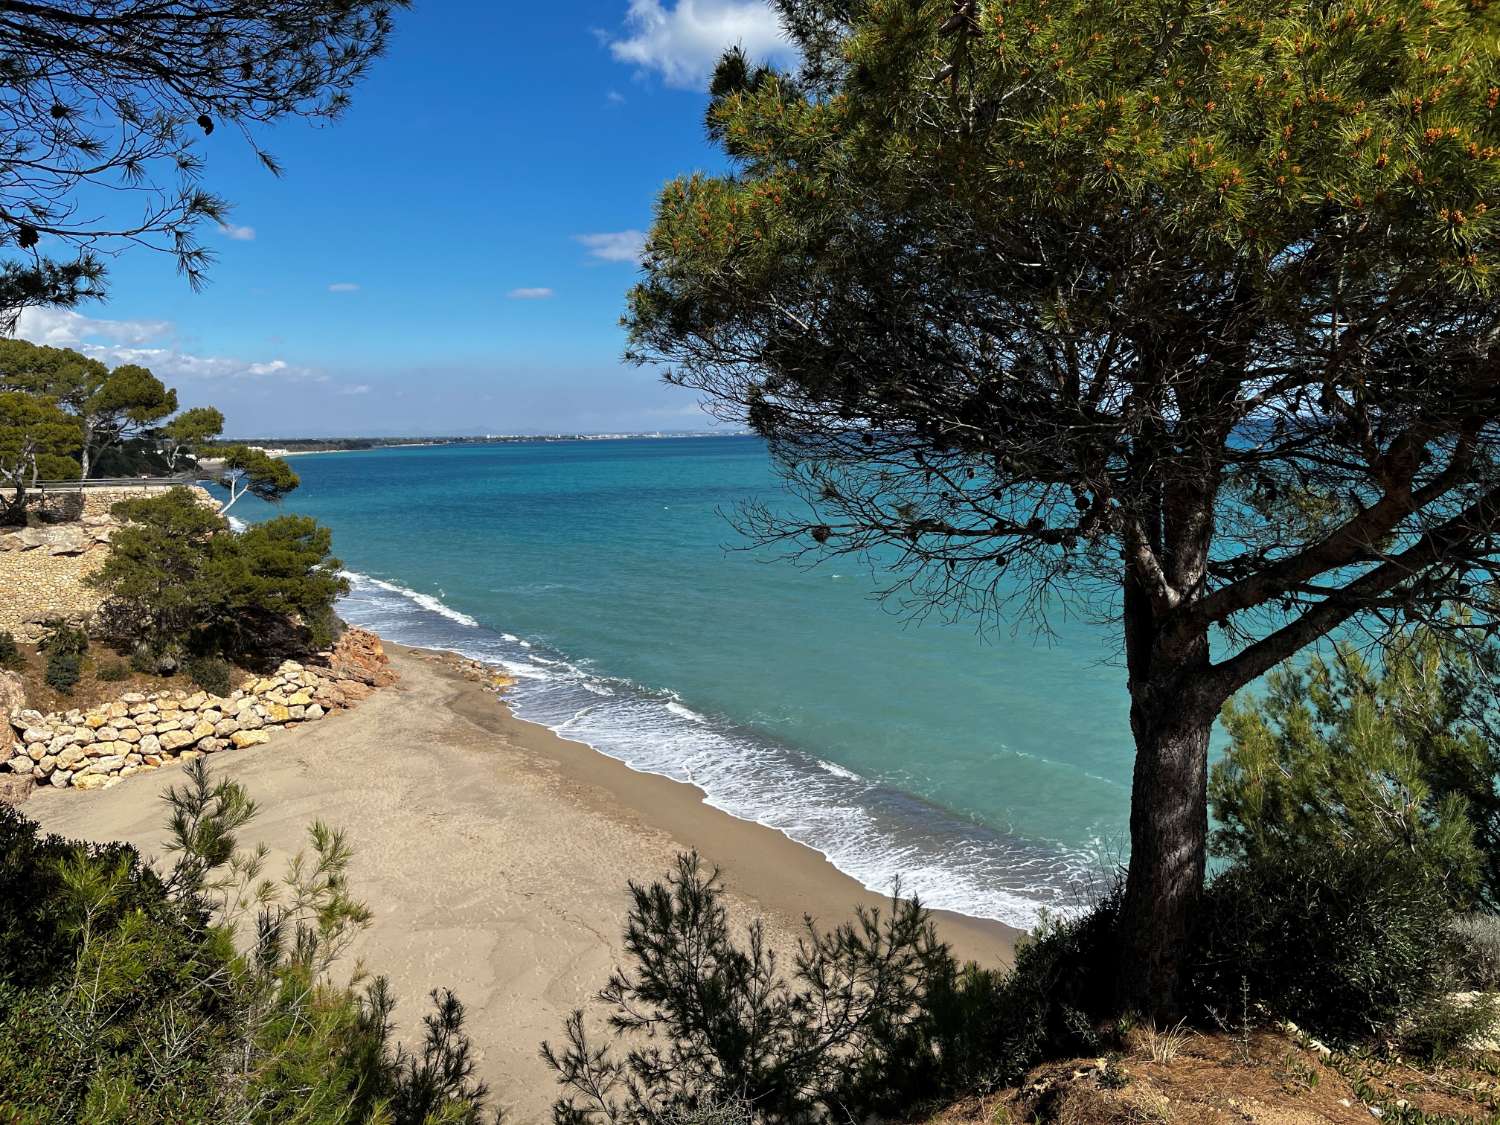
x=494 y=855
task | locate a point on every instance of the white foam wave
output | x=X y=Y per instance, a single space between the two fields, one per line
x=839 y=771
x=426 y=601
x=685 y=712
x=874 y=832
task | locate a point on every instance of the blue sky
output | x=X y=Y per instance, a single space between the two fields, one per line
x=452 y=255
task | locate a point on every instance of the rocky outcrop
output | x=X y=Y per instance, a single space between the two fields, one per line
x=97 y=748
x=360 y=657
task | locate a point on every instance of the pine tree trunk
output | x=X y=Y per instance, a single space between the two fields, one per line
x=1172 y=712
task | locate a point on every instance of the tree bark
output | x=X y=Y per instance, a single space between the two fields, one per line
x=1171 y=714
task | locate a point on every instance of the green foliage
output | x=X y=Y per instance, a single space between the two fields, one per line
x=38 y=441
x=1450 y=1026
x=10 y=652
x=1343 y=756
x=64 y=647
x=123 y=998
x=63 y=671
x=1476 y=939
x=1028 y=297
x=872 y=1017
x=210 y=673
x=190 y=433
x=1346 y=944
x=274 y=570
x=252 y=471
x=176 y=577
x=153 y=574
x=113 y=671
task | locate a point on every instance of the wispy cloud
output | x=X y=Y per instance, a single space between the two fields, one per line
x=238 y=233
x=150 y=343
x=683 y=41
x=615 y=246
x=344 y=287
x=530 y=293
x=614 y=97
x=355 y=389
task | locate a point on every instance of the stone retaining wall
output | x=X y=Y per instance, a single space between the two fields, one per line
x=97 y=748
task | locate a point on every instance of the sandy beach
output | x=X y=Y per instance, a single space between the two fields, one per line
x=494 y=854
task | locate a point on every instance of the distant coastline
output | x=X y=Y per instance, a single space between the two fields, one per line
x=293 y=447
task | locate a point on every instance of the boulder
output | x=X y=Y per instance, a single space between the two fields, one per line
x=60 y=778
x=66 y=541
x=359 y=656
x=90 y=781
x=149 y=744
x=313 y=711
x=21 y=764
x=177 y=739
x=13 y=696
x=244 y=738
x=14 y=789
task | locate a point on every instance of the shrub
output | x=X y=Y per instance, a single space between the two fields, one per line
x=63 y=637
x=1343 y=756
x=210 y=673
x=113 y=671
x=143 y=659
x=10 y=652
x=176 y=578
x=871 y=1018
x=1346 y=944
x=124 y=999
x=1476 y=940
x=64 y=669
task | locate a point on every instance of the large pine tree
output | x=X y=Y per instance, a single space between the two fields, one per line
x=1183 y=313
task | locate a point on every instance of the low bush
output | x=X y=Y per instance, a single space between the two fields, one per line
x=143 y=659
x=10 y=652
x=875 y=1016
x=123 y=998
x=210 y=673
x=1476 y=944
x=113 y=671
x=64 y=669
x=1346 y=944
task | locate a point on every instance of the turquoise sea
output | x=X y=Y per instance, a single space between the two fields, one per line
x=989 y=772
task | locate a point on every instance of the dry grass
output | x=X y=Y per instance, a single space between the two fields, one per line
x=1162 y=1045
x=1178 y=1077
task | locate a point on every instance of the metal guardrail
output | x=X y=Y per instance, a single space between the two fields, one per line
x=110 y=482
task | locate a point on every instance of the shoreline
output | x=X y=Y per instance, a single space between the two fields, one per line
x=495 y=856
x=785 y=876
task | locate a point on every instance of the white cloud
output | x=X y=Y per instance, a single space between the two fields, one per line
x=239 y=234
x=615 y=246
x=530 y=293
x=614 y=97
x=344 y=287
x=150 y=343
x=683 y=42
x=355 y=389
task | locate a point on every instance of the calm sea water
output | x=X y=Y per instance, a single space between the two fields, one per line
x=990 y=773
